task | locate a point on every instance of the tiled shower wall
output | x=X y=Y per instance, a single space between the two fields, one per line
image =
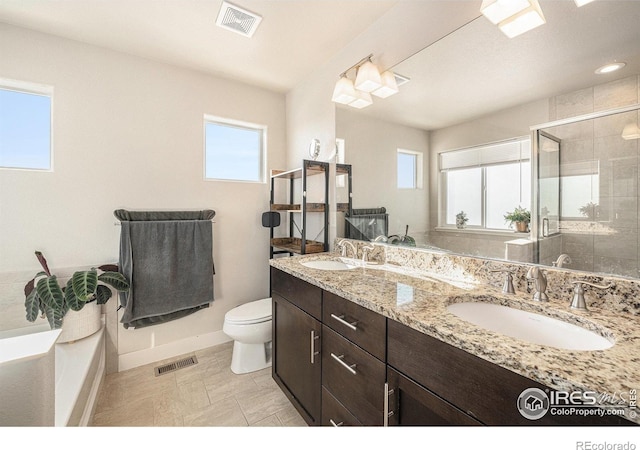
x=607 y=240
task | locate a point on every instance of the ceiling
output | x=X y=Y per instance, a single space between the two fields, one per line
x=473 y=71
x=294 y=37
x=477 y=70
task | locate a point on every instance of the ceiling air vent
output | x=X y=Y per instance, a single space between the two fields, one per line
x=238 y=20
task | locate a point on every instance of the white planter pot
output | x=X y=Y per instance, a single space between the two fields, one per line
x=80 y=324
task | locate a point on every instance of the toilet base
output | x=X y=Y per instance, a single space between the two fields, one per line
x=250 y=357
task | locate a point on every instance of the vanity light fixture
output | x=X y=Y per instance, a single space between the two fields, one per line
x=368 y=77
x=363 y=99
x=389 y=85
x=631 y=131
x=523 y=21
x=608 y=68
x=368 y=80
x=344 y=92
x=580 y=3
x=498 y=10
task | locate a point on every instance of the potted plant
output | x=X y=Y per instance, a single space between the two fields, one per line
x=46 y=297
x=461 y=219
x=520 y=217
x=405 y=240
x=591 y=210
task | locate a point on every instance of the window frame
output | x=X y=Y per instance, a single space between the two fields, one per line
x=442 y=183
x=232 y=123
x=44 y=90
x=419 y=168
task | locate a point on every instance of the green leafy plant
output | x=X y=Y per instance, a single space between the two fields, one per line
x=518 y=215
x=461 y=219
x=405 y=240
x=590 y=210
x=44 y=296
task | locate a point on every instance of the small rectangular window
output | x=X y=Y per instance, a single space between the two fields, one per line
x=486 y=182
x=25 y=125
x=409 y=169
x=234 y=150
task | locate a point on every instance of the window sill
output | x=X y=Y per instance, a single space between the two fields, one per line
x=505 y=233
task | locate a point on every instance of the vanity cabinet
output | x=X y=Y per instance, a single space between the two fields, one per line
x=342 y=364
x=412 y=404
x=482 y=391
x=296 y=343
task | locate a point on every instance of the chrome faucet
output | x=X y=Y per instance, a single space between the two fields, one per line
x=562 y=260
x=342 y=244
x=365 y=249
x=381 y=238
x=507 y=287
x=536 y=275
x=578 y=301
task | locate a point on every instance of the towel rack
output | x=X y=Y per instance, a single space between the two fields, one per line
x=117 y=223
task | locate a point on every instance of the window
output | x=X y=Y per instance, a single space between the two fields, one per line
x=25 y=125
x=409 y=169
x=486 y=182
x=234 y=150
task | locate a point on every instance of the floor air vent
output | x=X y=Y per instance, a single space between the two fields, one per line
x=238 y=20
x=171 y=367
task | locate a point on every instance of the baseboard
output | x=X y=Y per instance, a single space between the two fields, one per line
x=160 y=352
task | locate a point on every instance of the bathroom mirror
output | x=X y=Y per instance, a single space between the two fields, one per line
x=476 y=87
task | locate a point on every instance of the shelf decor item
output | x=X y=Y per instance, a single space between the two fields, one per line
x=520 y=217
x=461 y=219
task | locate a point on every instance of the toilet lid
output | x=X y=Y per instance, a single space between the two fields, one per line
x=256 y=311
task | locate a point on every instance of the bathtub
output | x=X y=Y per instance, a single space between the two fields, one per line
x=80 y=368
x=43 y=383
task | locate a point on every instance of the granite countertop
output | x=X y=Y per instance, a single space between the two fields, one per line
x=420 y=299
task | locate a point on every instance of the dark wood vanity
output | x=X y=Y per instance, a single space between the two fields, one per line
x=342 y=364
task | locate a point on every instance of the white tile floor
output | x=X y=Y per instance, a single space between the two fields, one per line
x=205 y=394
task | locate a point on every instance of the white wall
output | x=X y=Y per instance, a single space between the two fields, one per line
x=371 y=147
x=128 y=133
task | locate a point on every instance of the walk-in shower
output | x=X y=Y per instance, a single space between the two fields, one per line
x=586 y=202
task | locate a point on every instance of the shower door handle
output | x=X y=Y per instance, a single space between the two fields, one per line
x=545 y=227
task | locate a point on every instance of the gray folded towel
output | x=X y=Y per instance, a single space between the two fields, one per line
x=169 y=264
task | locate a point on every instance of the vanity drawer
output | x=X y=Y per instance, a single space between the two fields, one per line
x=358 y=324
x=302 y=294
x=334 y=414
x=354 y=377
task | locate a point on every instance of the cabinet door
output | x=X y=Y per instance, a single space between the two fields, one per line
x=296 y=357
x=412 y=404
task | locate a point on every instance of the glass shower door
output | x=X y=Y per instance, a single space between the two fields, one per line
x=548 y=204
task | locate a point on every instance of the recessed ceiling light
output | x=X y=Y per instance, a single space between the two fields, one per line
x=608 y=68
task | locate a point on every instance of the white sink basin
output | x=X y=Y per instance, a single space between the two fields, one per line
x=530 y=327
x=331 y=264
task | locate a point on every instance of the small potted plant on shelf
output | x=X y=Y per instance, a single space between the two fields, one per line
x=461 y=219
x=520 y=217
x=85 y=290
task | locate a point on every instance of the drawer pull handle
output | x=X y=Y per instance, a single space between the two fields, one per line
x=350 y=368
x=339 y=424
x=340 y=319
x=313 y=346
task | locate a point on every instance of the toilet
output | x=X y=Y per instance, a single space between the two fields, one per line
x=249 y=325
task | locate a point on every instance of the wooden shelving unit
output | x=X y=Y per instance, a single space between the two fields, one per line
x=293 y=244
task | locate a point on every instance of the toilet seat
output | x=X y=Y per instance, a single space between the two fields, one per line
x=254 y=312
